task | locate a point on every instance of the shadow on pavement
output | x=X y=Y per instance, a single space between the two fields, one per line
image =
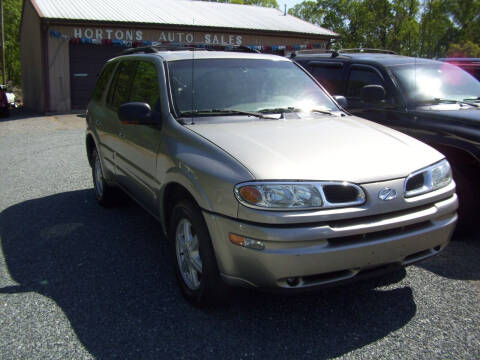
x=19 y=114
x=25 y=113
x=460 y=260
x=110 y=273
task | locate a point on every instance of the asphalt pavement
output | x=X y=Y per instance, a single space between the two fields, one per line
x=78 y=281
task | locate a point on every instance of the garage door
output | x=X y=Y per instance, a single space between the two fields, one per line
x=86 y=61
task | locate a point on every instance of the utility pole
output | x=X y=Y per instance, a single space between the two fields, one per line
x=4 y=78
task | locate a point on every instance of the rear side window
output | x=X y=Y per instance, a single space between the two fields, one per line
x=120 y=89
x=329 y=75
x=102 y=81
x=359 y=78
x=145 y=85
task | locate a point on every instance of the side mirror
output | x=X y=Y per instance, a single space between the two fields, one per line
x=373 y=93
x=341 y=100
x=135 y=113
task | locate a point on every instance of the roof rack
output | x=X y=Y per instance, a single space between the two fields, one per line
x=190 y=46
x=310 y=52
x=367 y=50
x=336 y=53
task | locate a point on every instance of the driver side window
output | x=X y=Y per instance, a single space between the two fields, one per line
x=359 y=78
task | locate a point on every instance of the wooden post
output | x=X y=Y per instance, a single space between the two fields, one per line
x=3 y=45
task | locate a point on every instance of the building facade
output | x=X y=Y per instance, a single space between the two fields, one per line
x=65 y=43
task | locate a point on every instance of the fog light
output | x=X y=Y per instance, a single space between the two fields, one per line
x=293 y=281
x=246 y=242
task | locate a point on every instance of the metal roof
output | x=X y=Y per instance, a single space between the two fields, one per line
x=178 y=12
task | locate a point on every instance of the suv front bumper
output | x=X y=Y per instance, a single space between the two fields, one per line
x=322 y=253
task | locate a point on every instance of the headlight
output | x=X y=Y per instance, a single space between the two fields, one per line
x=429 y=179
x=299 y=195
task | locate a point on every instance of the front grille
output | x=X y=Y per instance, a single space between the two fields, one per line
x=336 y=194
x=377 y=235
x=337 y=224
x=415 y=182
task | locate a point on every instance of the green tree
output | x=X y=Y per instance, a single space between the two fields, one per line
x=405 y=31
x=410 y=27
x=309 y=11
x=436 y=29
x=466 y=18
x=465 y=49
x=12 y=13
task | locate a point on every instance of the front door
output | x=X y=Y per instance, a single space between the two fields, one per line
x=388 y=112
x=140 y=145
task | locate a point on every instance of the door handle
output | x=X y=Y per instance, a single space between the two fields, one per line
x=98 y=122
x=121 y=134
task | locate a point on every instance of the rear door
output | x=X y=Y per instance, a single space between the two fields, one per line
x=117 y=95
x=329 y=74
x=106 y=126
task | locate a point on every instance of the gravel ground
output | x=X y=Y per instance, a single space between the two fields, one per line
x=80 y=282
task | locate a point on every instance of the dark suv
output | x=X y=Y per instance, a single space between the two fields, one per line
x=433 y=101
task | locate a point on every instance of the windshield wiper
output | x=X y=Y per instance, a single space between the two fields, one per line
x=223 y=112
x=477 y=99
x=292 y=109
x=437 y=101
x=278 y=110
x=322 y=111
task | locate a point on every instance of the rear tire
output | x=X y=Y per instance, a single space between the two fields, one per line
x=193 y=256
x=105 y=193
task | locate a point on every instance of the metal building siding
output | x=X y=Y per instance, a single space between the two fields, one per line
x=33 y=78
x=179 y=12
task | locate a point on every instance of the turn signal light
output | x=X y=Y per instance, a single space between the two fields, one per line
x=246 y=242
x=251 y=194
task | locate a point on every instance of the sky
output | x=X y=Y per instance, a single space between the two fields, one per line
x=290 y=3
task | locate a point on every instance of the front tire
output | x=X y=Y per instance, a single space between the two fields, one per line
x=194 y=259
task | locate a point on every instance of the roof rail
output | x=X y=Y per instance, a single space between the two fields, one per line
x=336 y=53
x=190 y=46
x=310 y=52
x=367 y=50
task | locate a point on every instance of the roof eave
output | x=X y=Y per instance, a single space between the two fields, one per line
x=63 y=21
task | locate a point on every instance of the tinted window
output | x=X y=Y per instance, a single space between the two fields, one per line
x=329 y=76
x=359 y=78
x=145 y=85
x=102 y=81
x=120 y=90
x=427 y=82
x=243 y=84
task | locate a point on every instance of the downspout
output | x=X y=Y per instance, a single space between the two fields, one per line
x=45 y=65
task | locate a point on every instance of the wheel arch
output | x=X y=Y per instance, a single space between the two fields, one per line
x=90 y=145
x=459 y=157
x=172 y=193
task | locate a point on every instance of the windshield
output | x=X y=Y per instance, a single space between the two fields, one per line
x=436 y=81
x=248 y=85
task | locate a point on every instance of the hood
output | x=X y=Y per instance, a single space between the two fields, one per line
x=470 y=116
x=327 y=148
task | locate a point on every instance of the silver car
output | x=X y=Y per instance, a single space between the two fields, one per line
x=256 y=174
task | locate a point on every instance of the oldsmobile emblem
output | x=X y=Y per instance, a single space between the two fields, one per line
x=387 y=194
